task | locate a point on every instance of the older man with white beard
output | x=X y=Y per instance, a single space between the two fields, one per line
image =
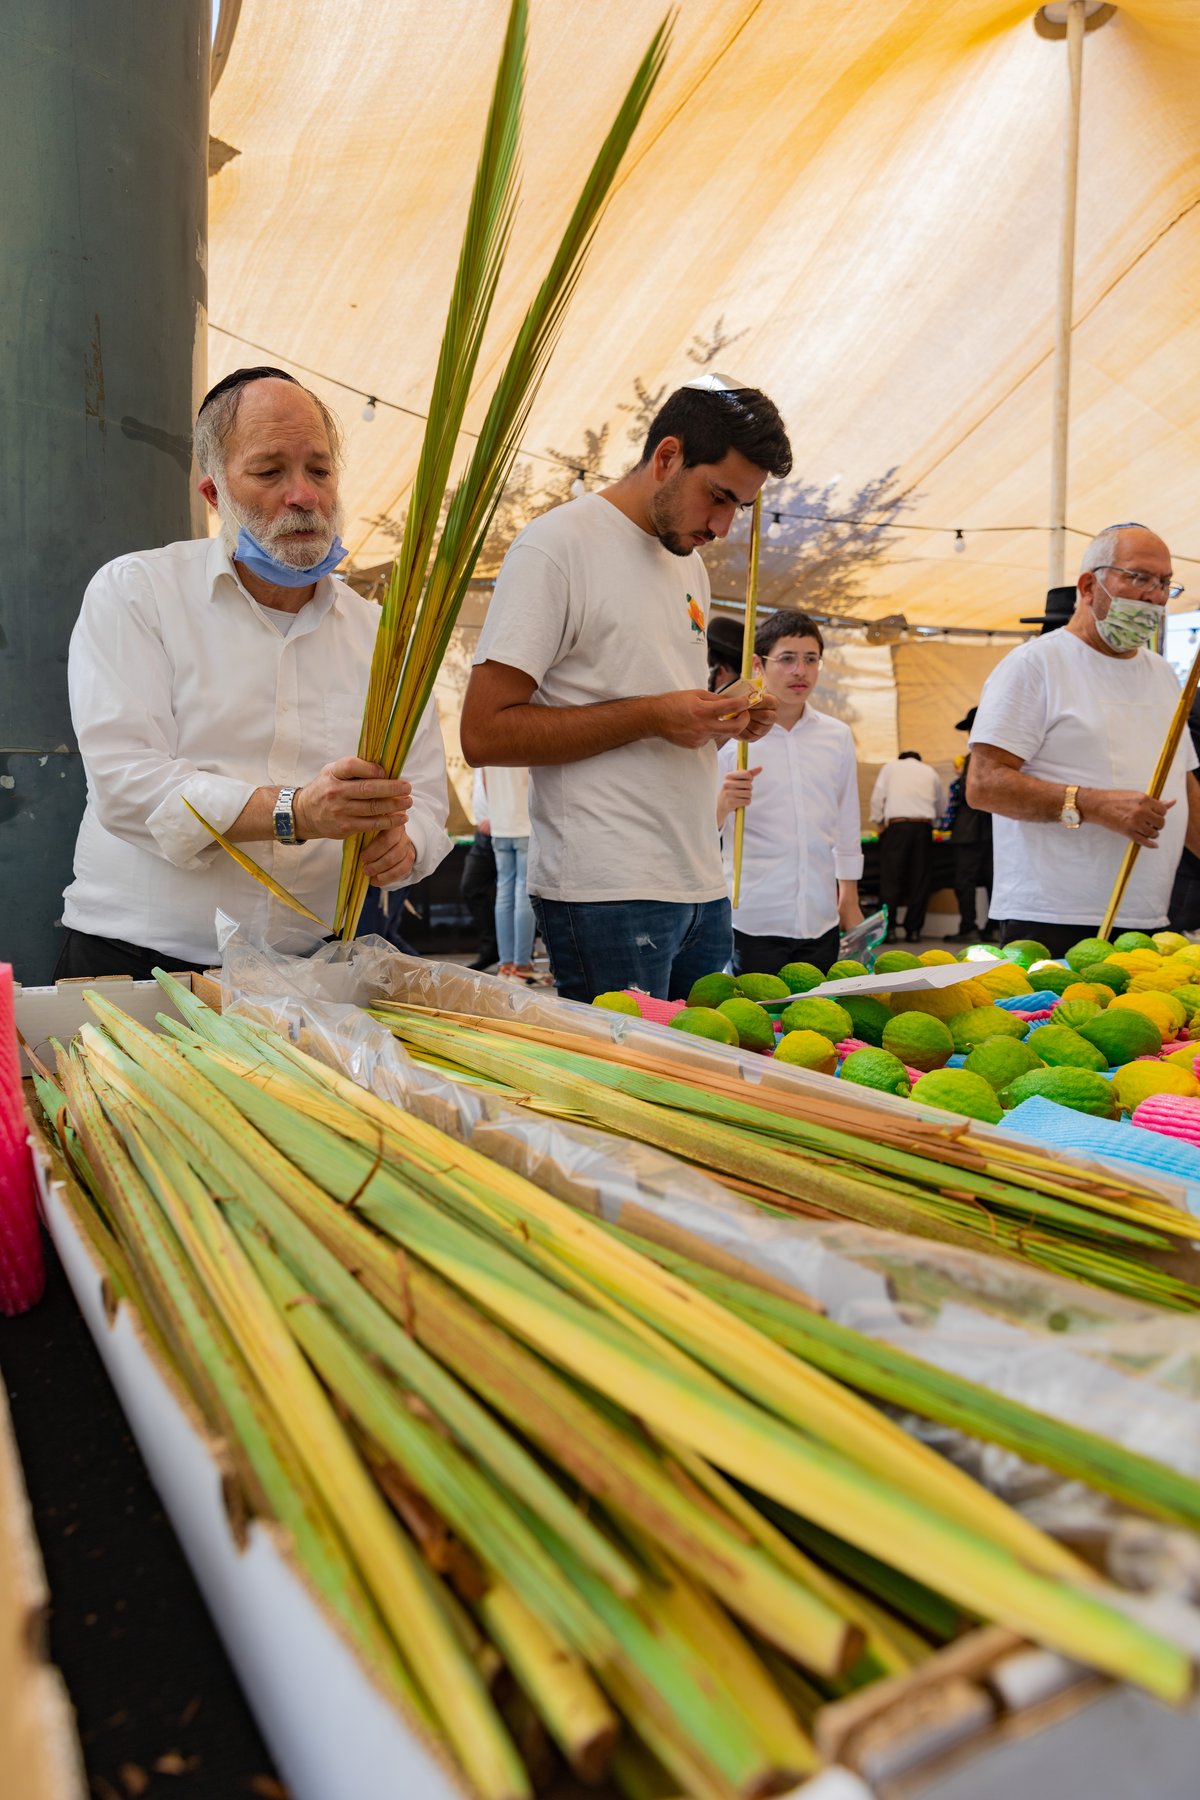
x=231 y=672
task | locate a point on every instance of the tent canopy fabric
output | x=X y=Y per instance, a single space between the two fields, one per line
x=855 y=208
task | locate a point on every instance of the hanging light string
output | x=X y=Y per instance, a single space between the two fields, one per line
x=958 y=534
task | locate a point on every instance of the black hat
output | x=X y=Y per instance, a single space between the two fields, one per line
x=968 y=722
x=1060 y=604
x=725 y=641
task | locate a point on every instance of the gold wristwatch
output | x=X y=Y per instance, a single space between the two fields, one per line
x=1069 y=816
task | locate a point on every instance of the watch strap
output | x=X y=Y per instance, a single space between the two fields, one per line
x=283 y=816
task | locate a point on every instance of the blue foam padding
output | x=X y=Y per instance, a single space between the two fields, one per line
x=1066 y=1129
x=1028 y=1002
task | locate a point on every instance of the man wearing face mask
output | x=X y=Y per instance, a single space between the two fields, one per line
x=1065 y=739
x=232 y=672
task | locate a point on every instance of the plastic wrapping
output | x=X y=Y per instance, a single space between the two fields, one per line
x=1126 y=1371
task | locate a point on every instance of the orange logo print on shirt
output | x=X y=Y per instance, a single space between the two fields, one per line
x=696 y=615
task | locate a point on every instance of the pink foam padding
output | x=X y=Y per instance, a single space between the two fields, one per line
x=659 y=1012
x=1033 y=1018
x=22 y=1273
x=1175 y=1115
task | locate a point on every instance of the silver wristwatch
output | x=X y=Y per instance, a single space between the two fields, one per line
x=284 y=818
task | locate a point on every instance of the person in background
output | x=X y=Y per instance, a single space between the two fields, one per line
x=1183 y=910
x=477 y=888
x=971 y=841
x=802 y=854
x=724 y=640
x=907 y=800
x=1066 y=737
x=231 y=672
x=508 y=809
x=590 y=672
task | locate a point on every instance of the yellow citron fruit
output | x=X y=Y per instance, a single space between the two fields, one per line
x=942 y=1003
x=1136 y=960
x=1169 y=941
x=1162 y=1009
x=1184 y=1059
x=931 y=958
x=1189 y=955
x=1153 y=981
x=1004 y=982
x=1086 y=990
x=1138 y=1080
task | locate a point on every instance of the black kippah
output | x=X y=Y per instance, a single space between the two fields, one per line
x=241 y=378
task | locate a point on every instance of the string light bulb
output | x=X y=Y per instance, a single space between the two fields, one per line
x=960 y=542
x=578 y=486
x=774 y=529
x=368 y=411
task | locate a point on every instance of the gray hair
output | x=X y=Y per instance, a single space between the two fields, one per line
x=1103 y=547
x=218 y=416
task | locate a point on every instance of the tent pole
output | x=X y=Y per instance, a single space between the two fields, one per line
x=1066 y=294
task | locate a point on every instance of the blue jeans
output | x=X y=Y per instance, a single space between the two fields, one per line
x=514 y=914
x=598 y=946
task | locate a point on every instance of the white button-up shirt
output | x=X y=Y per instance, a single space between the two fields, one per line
x=182 y=685
x=908 y=789
x=803 y=833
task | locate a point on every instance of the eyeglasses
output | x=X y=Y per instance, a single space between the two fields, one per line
x=789 y=659
x=1142 y=580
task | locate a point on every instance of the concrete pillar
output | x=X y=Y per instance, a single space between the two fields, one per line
x=103 y=223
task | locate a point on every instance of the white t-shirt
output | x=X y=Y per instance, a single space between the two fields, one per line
x=594 y=609
x=508 y=802
x=1076 y=716
x=803 y=833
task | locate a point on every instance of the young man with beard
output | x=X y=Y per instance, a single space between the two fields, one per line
x=232 y=672
x=802 y=853
x=590 y=672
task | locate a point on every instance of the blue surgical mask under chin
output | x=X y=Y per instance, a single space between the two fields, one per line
x=1130 y=624
x=250 y=553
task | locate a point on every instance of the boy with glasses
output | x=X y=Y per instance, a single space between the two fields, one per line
x=1066 y=737
x=802 y=853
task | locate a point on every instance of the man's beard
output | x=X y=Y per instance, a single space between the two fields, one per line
x=273 y=534
x=663 y=517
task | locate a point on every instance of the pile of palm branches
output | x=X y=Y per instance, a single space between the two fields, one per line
x=838 y=1153
x=511 y=1447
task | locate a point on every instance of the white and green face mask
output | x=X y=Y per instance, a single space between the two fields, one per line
x=1131 y=624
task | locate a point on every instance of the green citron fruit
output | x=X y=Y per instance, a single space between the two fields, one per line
x=1053 y=978
x=753 y=1026
x=1088 y=950
x=798 y=977
x=982 y=1022
x=762 y=987
x=890 y=962
x=1188 y=996
x=1000 y=1060
x=1081 y=1089
x=1076 y=1012
x=919 y=1040
x=825 y=1016
x=1134 y=940
x=618 y=1002
x=710 y=990
x=959 y=1091
x=844 y=971
x=1024 y=951
x=868 y=1016
x=1060 y=1047
x=876 y=1069
x=1122 y=1037
x=807 y=1050
x=706 y=1022
x=1106 y=974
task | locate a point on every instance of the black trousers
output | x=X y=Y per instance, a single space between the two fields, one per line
x=972 y=870
x=477 y=890
x=83 y=955
x=906 y=871
x=767 y=955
